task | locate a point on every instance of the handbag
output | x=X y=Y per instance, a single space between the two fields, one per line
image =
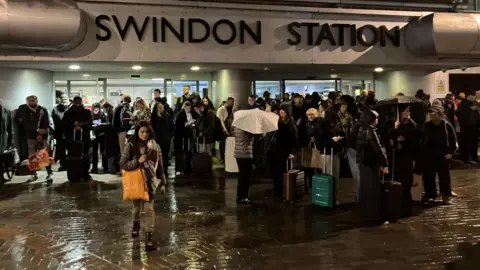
x=311 y=157
x=39 y=159
x=134 y=186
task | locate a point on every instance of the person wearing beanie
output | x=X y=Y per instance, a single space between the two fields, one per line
x=371 y=158
x=438 y=147
x=282 y=149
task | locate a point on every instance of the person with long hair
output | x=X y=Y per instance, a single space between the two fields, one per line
x=282 y=148
x=163 y=126
x=142 y=151
x=208 y=103
x=142 y=112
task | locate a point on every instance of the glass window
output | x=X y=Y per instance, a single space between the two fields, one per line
x=309 y=86
x=175 y=90
x=137 y=88
x=271 y=86
x=352 y=87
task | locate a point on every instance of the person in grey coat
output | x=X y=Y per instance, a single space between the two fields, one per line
x=142 y=151
x=244 y=155
x=6 y=134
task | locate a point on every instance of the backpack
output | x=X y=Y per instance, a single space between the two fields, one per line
x=126 y=116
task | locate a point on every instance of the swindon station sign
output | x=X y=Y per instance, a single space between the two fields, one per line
x=196 y=30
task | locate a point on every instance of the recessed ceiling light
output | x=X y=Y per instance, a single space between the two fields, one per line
x=74 y=67
x=195 y=68
x=136 y=67
x=86 y=75
x=378 y=69
x=57 y=81
x=157 y=79
x=333 y=76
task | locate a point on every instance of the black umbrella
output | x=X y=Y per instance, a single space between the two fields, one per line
x=414 y=103
x=396 y=100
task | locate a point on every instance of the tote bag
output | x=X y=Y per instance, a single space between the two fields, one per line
x=39 y=160
x=311 y=157
x=134 y=186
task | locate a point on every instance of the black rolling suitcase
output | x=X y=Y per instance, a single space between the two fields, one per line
x=183 y=158
x=392 y=200
x=201 y=161
x=76 y=158
x=392 y=192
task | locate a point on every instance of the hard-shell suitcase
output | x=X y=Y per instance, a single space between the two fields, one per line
x=392 y=196
x=201 y=161
x=76 y=159
x=231 y=165
x=293 y=184
x=324 y=187
x=392 y=199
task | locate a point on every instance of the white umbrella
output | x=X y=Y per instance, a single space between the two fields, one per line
x=255 y=121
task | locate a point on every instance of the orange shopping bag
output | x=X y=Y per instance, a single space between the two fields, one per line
x=39 y=160
x=134 y=186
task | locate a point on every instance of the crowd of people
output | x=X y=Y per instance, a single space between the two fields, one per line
x=374 y=145
x=363 y=140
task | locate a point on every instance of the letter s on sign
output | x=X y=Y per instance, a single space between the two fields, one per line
x=297 y=38
x=99 y=22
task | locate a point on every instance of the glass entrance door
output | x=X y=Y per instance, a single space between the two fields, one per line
x=135 y=88
x=304 y=87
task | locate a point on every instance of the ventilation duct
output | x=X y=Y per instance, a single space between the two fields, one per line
x=444 y=35
x=41 y=25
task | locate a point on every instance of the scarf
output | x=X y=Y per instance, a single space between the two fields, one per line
x=149 y=167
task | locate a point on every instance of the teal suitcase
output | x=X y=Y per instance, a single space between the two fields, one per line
x=323 y=190
x=324 y=187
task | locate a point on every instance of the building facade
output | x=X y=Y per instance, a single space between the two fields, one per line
x=100 y=49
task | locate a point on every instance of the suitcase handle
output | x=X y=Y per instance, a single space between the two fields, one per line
x=325 y=161
x=393 y=166
x=289 y=164
x=198 y=145
x=75 y=134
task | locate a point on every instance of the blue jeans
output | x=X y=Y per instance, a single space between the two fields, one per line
x=352 y=162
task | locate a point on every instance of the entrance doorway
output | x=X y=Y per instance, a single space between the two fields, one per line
x=304 y=87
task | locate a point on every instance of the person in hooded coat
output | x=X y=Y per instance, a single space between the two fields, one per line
x=282 y=148
x=371 y=158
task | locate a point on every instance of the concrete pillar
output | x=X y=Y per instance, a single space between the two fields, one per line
x=17 y=84
x=236 y=83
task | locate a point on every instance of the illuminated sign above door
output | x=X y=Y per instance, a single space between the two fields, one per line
x=227 y=32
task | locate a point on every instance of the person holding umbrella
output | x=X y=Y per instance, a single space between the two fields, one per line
x=404 y=139
x=246 y=124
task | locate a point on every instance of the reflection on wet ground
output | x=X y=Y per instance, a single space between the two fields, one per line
x=199 y=226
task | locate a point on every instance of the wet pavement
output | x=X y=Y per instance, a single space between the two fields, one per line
x=199 y=226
